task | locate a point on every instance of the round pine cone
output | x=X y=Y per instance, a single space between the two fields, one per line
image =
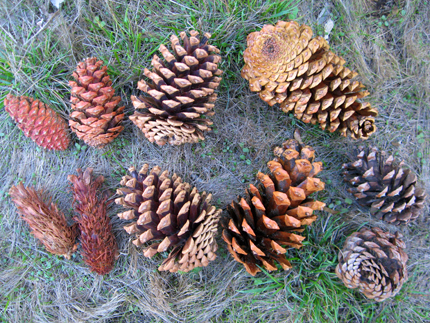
x=181 y=92
x=260 y=224
x=391 y=192
x=374 y=262
x=287 y=66
x=165 y=208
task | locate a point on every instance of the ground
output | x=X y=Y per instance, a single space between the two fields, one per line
x=387 y=42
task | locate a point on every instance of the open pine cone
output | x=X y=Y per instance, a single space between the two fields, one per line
x=374 y=262
x=287 y=66
x=165 y=208
x=96 y=118
x=38 y=121
x=391 y=191
x=181 y=91
x=261 y=224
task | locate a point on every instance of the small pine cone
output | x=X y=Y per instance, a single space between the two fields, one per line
x=391 y=192
x=95 y=119
x=99 y=247
x=38 y=122
x=47 y=222
x=260 y=224
x=287 y=66
x=165 y=208
x=181 y=92
x=374 y=262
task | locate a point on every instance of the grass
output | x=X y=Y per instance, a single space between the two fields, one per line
x=39 y=49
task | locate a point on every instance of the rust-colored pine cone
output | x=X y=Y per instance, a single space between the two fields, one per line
x=38 y=122
x=99 y=247
x=96 y=118
x=163 y=208
x=374 y=262
x=287 y=66
x=261 y=225
x=381 y=183
x=181 y=91
x=47 y=222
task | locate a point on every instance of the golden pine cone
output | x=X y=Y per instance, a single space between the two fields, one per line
x=38 y=122
x=262 y=223
x=374 y=262
x=181 y=92
x=165 y=208
x=287 y=66
x=95 y=118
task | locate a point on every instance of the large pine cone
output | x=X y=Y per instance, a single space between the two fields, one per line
x=38 y=122
x=96 y=119
x=99 y=247
x=47 y=222
x=391 y=191
x=374 y=262
x=263 y=222
x=287 y=66
x=165 y=208
x=181 y=92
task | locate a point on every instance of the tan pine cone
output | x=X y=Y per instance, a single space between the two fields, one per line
x=181 y=91
x=38 y=122
x=96 y=118
x=287 y=66
x=374 y=262
x=163 y=208
x=261 y=225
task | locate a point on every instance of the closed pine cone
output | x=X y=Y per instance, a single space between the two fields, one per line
x=287 y=66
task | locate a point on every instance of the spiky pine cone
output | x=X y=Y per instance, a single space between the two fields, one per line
x=261 y=224
x=47 y=222
x=181 y=92
x=99 y=247
x=287 y=66
x=391 y=192
x=165 y=208
x=374 y=262
x=38 y=122
x=96 y=118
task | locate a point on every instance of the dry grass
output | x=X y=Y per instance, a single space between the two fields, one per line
x=393 y=61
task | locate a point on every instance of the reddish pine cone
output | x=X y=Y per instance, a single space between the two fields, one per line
x=181 y=92
x=38 y=122
x=99 y=248
x=263 y=222
x=287 y=66
x=374 y=262
x=96 y=119
x=163 y=208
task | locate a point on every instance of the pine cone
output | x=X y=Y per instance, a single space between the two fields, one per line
x=391 y=191
x=96 y=119
x=165 y=208
x=287 y=66
x=38 y=122
x=181 y=92
x=374 y=262
x=264 y=221
x=47 y=222
x=99 y=247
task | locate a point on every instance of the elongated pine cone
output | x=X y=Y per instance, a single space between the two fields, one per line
x=47 y=222
x=287 y=66
x=96 y=118
x=165 y=209
x=38 y=122
x=374 y=262
x=181 y=91
x=381 y=183
x=262 y=224
x=99 y=247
